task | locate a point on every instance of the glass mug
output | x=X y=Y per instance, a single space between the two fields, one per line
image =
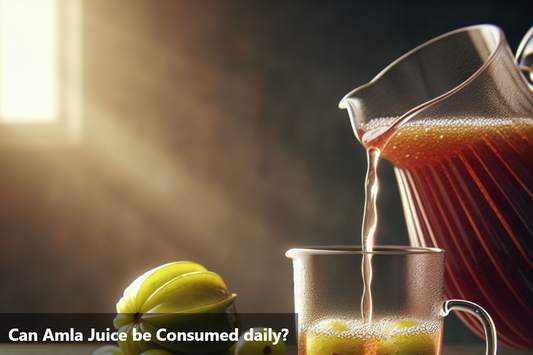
x=406 y=296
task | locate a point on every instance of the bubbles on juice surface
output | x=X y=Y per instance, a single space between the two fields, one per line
x=424 y=141
x=387 y=337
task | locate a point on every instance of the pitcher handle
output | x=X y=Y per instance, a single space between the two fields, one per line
x=481 y=315
x=524 y=56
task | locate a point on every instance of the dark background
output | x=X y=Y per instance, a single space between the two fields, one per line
x=211 y=133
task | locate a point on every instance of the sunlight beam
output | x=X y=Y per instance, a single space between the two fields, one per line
x=28 y=61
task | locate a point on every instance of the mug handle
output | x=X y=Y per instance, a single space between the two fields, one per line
x=524 y=56
x=481 y=315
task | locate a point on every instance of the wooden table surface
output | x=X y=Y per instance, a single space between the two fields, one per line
x=59 y=349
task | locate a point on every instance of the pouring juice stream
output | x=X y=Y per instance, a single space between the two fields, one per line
x=370 y=216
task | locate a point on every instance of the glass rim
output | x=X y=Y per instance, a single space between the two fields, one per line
x=357 y=250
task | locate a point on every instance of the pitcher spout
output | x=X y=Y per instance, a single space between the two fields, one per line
x=427 y=76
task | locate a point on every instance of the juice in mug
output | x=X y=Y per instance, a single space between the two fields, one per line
x=388 y=337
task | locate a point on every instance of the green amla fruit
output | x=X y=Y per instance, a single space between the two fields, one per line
x=336 y=337
x=259 y=347
x=180 y=297
x=408 y=337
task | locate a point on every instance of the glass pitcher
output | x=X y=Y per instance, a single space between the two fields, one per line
x=455 y=118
